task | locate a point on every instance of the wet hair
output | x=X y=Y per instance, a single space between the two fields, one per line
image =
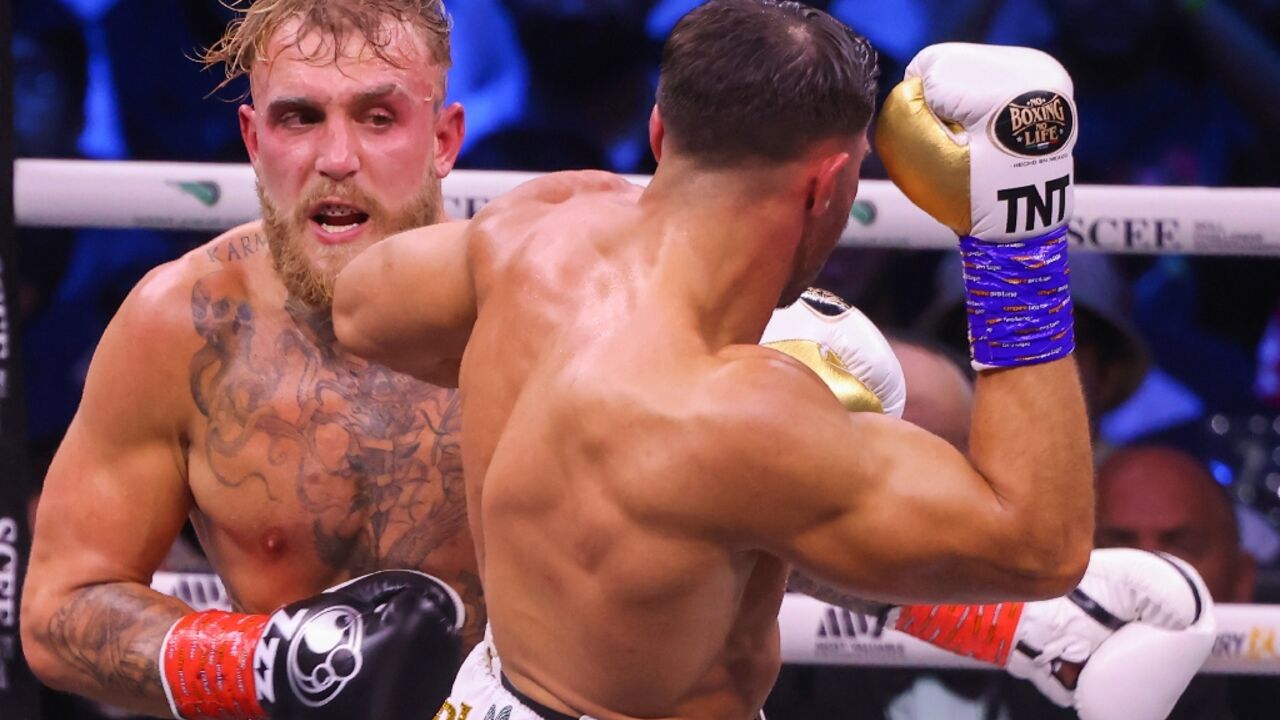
x=763 y=80
x=246 y=38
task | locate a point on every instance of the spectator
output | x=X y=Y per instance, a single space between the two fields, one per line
x=1160 y=498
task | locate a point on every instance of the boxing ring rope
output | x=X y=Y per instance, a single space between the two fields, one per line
x=194 y=196
x=1122 y=219
x=815 y=633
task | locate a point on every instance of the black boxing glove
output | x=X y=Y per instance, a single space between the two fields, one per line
x=383 y=645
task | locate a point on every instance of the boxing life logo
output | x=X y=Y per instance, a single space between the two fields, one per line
x=322 y=653
x=1034 y=124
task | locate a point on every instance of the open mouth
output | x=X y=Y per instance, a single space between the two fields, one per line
x=338 y=218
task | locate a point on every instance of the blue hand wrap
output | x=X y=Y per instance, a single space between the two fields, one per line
x=1018 y=298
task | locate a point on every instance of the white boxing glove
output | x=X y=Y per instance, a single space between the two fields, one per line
x=980 y=137
x=844 y=348
x=973 y=130
x=1142 y=625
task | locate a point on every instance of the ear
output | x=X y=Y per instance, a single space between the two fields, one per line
x=657 y=131
x=825 y=182
x=451 y=127
x=249 y=131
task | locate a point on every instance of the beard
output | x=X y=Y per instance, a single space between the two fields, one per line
x=309 y=276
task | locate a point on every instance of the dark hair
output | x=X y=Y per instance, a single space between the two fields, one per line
x=763 y=79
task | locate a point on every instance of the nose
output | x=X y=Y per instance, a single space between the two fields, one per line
x=339 y=155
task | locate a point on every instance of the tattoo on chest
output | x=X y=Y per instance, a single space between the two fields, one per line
x=371 y=455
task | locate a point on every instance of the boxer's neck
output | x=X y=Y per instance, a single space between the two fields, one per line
x=732 y=235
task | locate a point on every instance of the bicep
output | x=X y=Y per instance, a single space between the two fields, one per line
x=110 y=509
x=891 y=512
x=112 y=505
x=115 y=496
x=408 y=302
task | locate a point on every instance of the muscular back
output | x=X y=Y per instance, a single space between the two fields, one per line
x=586 y=400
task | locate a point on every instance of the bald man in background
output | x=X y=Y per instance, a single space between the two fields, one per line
x=1157 y=497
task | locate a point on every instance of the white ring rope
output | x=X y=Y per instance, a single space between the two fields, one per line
x=815 y=633
x=197 y=196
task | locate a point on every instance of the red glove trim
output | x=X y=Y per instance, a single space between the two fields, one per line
x=208 y=666
x=982 y=632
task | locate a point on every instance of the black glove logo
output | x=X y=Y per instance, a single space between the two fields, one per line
x=325 y=655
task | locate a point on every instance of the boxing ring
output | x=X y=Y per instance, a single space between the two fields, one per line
x=1197 y=221
x=215 y=197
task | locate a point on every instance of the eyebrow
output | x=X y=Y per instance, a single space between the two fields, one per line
x=380 y=92
x=297 y=102
x=302 y=102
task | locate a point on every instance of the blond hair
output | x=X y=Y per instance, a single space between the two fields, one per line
x=246 y=38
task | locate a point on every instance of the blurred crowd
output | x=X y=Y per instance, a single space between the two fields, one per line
x=1180 y=356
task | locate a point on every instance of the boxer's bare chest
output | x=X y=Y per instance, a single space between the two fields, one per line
x=308 y=465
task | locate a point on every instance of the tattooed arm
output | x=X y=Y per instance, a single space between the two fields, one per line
x=408 y=302
x=114 y=500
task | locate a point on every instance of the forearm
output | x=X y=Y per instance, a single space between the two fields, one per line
x=1030 y=441
x=103 y=642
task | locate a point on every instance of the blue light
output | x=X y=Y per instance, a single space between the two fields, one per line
x=1221 y=472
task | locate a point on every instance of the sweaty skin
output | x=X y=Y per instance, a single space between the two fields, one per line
x=641 y=475
x=300 y=465
x=218 y=396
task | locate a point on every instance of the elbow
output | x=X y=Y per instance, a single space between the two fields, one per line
x=1067 y=546
x=1063 y=573
x=43 y=664
x=1048 y=541
x=37 y=647
x=1053 y=565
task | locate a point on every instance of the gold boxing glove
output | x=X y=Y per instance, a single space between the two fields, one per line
x=843 y=348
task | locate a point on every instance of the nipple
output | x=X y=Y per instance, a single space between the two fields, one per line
x=273 y=542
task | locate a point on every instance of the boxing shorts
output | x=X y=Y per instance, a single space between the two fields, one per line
x=482 y=692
